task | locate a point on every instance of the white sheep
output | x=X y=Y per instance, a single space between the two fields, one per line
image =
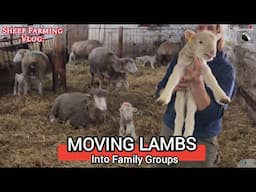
x=18 y=81
x=126 y=120
x=203 y=45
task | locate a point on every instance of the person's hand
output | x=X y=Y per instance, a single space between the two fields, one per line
x=192 y=76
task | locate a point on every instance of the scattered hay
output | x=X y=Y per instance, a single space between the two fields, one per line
x=27 y=139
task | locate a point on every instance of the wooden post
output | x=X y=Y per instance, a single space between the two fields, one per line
x=11 y=39
x=58 y=61
x=41 y=43
x=120 y=42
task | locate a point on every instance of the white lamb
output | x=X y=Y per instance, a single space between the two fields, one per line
x=203 y=45
x=126 y=120
x=18 y=81
x=146 y=59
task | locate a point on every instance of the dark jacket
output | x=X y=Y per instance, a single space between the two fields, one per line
x=208 y=122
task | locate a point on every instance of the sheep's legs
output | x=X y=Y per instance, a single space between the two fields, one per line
x=173 y=80
x=179 y=106
x=40 y=88
x=130 y=130
x=121 y=129
x=15 y=87
x=26 y=86
x=211 y=81
x=190 y=114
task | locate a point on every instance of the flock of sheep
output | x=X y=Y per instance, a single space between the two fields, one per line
x=81 y=109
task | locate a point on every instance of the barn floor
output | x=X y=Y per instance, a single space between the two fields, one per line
x=27 y=139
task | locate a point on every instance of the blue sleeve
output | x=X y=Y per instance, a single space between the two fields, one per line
x=214 y=111
x=163 y=82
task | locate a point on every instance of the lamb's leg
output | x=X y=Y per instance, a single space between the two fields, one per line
x=211 y=81
x=101 y=79
x=190 y=114
x=15 y=87
x=40 y=88
x=121 y=129
x=54 y=109
x=40 y=82
x=173 y=80
x=132 y=130
x=118 y=85
x=19 y=87
x=126 y=85
x=26 y=85
x=71 y=58
x=179 y=106
x=152 y=64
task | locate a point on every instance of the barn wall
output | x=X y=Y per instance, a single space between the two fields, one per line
x=137 y=40
x=75 y=33
x=245 y=65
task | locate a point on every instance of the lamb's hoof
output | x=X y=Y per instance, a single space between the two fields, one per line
x=187 y=135
x=52 y=120
x=161 y=101
x=177 y=134
x=225 y=100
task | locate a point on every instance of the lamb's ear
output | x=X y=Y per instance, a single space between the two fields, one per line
x=218 y=36
x=189 y=34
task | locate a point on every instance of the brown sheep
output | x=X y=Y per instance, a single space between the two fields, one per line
x=165 y=53
x=81 y=50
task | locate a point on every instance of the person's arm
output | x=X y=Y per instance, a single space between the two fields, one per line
x=207 y=108
x=164 y=81
x=200 y=94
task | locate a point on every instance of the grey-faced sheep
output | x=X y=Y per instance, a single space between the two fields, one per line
x=18 y=83
x=126 y=120
x=81 y=49
x=202 y=45
x=34 y=67
x=80 y=109
x=105 y=64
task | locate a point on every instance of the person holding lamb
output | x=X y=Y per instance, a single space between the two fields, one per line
x=209 y=109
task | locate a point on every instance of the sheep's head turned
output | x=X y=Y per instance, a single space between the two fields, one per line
x=125 y=65
x=204 y=43
x=126 y=111
x=19 y=55
x=99 y=96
